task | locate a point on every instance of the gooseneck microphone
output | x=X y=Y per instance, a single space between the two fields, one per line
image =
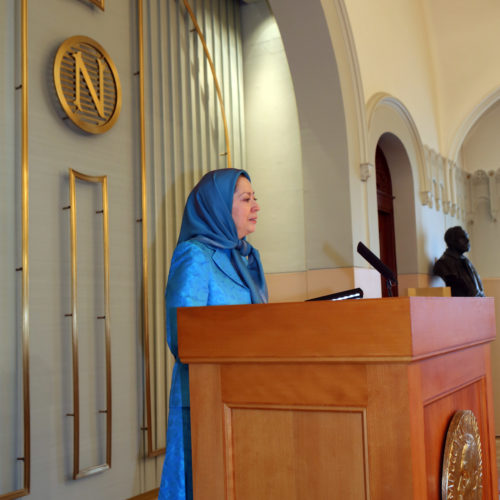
x=389 y=275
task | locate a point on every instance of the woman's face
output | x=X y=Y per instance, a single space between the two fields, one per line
x=245 y=207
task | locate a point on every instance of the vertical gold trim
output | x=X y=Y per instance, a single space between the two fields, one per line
x=74 y=332
x=107 y=316
x=216 y=81
x=151 y=451
x=77 y=473
x=25 y=260
x=25 y=216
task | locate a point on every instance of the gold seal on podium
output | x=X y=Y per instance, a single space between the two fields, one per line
x=462 y=477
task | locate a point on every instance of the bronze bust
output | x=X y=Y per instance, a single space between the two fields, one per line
x=455 y=268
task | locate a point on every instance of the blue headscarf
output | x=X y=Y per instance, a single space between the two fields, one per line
x=207 y=218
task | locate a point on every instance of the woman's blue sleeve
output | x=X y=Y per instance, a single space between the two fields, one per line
x=187 y=285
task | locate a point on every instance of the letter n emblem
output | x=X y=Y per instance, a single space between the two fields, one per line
x=87 y=84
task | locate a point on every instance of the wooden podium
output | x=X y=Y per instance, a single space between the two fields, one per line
x=342 y=400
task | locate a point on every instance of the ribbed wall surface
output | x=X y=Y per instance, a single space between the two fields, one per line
x=184 y=139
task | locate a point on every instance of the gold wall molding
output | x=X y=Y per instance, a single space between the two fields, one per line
x=26 y=458
x=73 y=175
x=87 y=84
x=151 y=450
x=216 y=81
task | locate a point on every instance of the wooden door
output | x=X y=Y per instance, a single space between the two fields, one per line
x=386 y=233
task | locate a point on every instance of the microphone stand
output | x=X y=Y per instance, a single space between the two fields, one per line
x=388 y=274
x=388 y=284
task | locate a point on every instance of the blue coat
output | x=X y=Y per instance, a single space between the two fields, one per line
x=199 y=276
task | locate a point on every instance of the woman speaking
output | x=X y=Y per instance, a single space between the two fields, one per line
x=212 y=265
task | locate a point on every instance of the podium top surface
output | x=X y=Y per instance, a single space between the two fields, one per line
x=401 y=329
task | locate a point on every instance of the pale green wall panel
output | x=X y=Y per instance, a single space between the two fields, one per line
x=54 y=147
x=11 y=429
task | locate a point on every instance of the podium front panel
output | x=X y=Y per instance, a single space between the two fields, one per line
x=308 y=418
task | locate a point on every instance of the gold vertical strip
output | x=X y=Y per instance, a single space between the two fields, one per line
x=74 y=330
x=202 y=81
x=238 y=111
x=216 y=82
x=25 y=260
x=151 y=451
x=107 y=330
x=25 y=217
x=77 y=473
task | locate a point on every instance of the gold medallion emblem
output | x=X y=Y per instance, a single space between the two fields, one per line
x=462 y=477
x=87 y=84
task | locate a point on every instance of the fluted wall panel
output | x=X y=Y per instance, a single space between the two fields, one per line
x=184 y=139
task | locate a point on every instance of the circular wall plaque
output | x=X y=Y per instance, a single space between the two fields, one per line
x=462 y=477
x=87 y=84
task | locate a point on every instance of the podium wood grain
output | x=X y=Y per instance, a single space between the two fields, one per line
x=346 y=400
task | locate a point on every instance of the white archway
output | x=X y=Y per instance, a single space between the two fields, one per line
x=391 y=126
x=385 y=113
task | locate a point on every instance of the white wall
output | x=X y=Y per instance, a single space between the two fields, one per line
x=324 y=142
x=274 y=157
x=438 y=58
x=465 y=40
x=394 y=57
x=480 y=150
x=481 y=157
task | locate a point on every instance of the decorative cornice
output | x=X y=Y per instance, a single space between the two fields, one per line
x=483 y=187
x=437 y=193
x=426 y=198
x=479 y=177
x=366 y=170
x=492 y=184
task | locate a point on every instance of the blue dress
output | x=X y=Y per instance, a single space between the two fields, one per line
x=199 y=276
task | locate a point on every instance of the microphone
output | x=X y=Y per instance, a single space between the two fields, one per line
x=376 y=263
x=354 y=293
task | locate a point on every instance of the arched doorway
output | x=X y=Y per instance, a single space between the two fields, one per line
x=385 y=205
x=392 y=129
